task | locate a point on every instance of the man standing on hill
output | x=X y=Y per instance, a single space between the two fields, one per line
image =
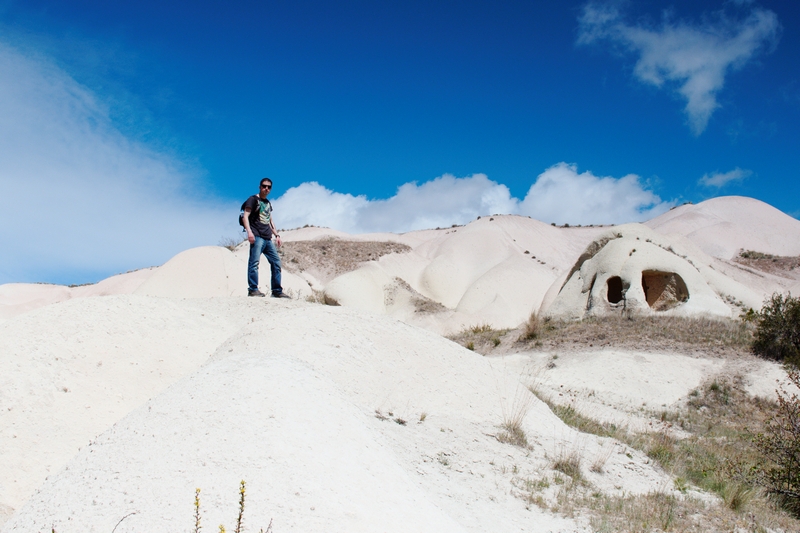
x=260 y=227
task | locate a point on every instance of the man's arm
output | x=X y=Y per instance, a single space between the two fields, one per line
x=250 y=237
x=274 y=231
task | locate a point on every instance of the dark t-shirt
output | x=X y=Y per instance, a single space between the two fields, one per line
x=260 y=216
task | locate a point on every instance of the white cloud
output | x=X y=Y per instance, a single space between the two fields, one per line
x=441 y=202
x=693 y=58
x=559 y=195
x=79 y=198
x=720 y=179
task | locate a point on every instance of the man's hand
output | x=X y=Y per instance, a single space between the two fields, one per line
x=250 y=237
x=278 y=240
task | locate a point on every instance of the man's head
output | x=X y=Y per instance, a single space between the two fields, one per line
x=264 y=187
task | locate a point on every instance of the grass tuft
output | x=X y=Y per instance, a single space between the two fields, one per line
x=569 y=463
x=513 y=418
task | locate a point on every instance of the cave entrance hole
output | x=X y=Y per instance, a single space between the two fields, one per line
x=663 y=290
x=614 y=290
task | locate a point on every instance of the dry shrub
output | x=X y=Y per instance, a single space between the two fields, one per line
x=230 y=243
x=316 y=297
x=569 y=463
x=779 y=444
x=777 y=334
x=532 y=328
x=481 y=338
x=481 y=328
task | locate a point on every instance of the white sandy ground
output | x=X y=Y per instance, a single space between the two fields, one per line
x=632 y=389
x=286 y=401
x=179 y=381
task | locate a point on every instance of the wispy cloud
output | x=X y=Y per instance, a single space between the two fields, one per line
x=720 y=179
x=560 y=194
x=80 y=200
x=692 y=58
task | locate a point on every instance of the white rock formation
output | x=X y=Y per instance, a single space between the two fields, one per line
x=632 y=269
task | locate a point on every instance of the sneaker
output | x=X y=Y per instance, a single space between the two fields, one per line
x=280 y=295
x=256 y=293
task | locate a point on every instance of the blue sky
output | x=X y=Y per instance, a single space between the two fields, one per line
x=131 y=132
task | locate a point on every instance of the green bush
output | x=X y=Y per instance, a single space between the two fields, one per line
x=779 y=444
x=777 y=333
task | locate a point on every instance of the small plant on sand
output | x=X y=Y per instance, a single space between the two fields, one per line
x=481 y=328
x=316 y=297
x=534 y=328
x=230 y=243
x=569 y=463
x=239 y=519
x=599 y=464
x=513 y=418
x=481 y=338
x=196 y=510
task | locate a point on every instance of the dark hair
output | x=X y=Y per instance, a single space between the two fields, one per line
x=265 y=179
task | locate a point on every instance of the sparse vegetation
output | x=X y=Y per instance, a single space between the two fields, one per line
x=569 y=463
x=513 y=434
x=230 y=243
x=777 y=334
x=328 y=258
x=690 y=335
x=599 y=464
x=533 y=328
x=513 y=417
x=481 y=338
x=774 y=264
x=239 y=519
x=779 y=444
x=718 y=456
x=750 y=254
x=316 y=297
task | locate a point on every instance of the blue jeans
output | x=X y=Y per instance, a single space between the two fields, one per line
x=268 y=249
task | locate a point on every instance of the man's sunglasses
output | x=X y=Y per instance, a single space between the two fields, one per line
x=266 y=186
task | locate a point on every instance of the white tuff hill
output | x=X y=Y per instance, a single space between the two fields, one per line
x=118 y=399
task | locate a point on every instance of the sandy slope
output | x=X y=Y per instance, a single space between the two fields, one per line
x=18 y=298
x=295 y=417
x=178 y=382
x=70 y=370
x=723 y=226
